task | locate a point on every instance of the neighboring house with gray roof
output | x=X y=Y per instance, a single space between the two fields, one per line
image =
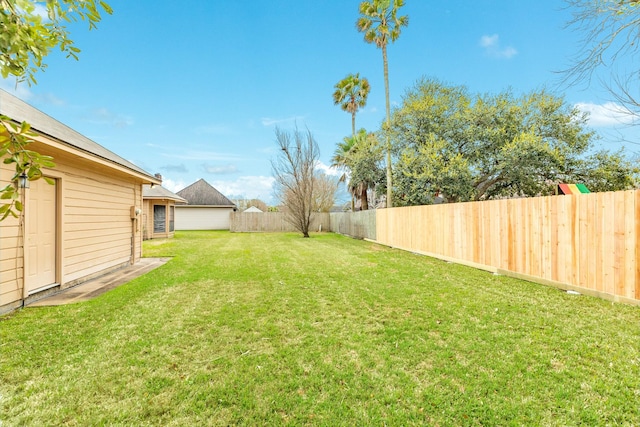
x=86 y=224
x=158 y=212
x=207 y=208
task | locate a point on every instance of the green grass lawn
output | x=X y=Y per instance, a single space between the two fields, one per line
x=273 y=329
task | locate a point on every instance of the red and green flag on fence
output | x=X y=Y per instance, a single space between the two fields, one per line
x=572 y=189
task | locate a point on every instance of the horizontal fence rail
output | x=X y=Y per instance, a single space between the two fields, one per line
x=587 y=241
x=273 y=222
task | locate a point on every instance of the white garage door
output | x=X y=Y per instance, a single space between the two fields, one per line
x=202 y=218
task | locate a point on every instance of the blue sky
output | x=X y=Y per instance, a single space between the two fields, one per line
x=195 y=89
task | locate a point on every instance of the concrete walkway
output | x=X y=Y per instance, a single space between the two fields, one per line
x=92 y=288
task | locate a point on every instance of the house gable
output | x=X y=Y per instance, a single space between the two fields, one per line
x=201 y=193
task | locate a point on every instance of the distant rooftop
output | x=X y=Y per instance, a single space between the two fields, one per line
x=201 y=193
x=158 y=192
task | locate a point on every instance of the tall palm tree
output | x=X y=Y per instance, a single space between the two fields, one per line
x=349 y=157
x=341 y=160
x=380 y=23
x=351 y=94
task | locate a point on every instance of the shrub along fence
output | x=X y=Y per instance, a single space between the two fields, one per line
x=586 y=242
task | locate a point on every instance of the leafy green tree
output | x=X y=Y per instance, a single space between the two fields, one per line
x=380 y=23
x=429 y=129
x=351 y=94
x=360 y=158
x=367 y=172
x=26 y=38
x=604 y=171
x=474 y=147
x=340 y=160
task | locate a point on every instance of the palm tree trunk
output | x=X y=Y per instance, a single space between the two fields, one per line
x=363 y=197
x=388 y=124
x=353 y=124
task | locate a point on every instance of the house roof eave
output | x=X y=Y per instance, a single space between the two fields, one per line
x=53 y=132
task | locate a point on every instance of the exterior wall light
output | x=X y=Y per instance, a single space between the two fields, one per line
x=23 y=180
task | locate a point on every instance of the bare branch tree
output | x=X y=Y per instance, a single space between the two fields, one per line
x=293 y=171
x=324 y=192
x=610 y=33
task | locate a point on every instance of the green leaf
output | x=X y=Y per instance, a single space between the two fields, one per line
x=34 y=173
x=7 y=194
x=106 y=7
x=47 y=163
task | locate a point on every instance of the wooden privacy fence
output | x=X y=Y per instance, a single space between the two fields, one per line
x=586 y=242
x=361 y=224
x=273 y=222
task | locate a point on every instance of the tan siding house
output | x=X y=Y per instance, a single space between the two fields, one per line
x=86 y=224
x=159 y=212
